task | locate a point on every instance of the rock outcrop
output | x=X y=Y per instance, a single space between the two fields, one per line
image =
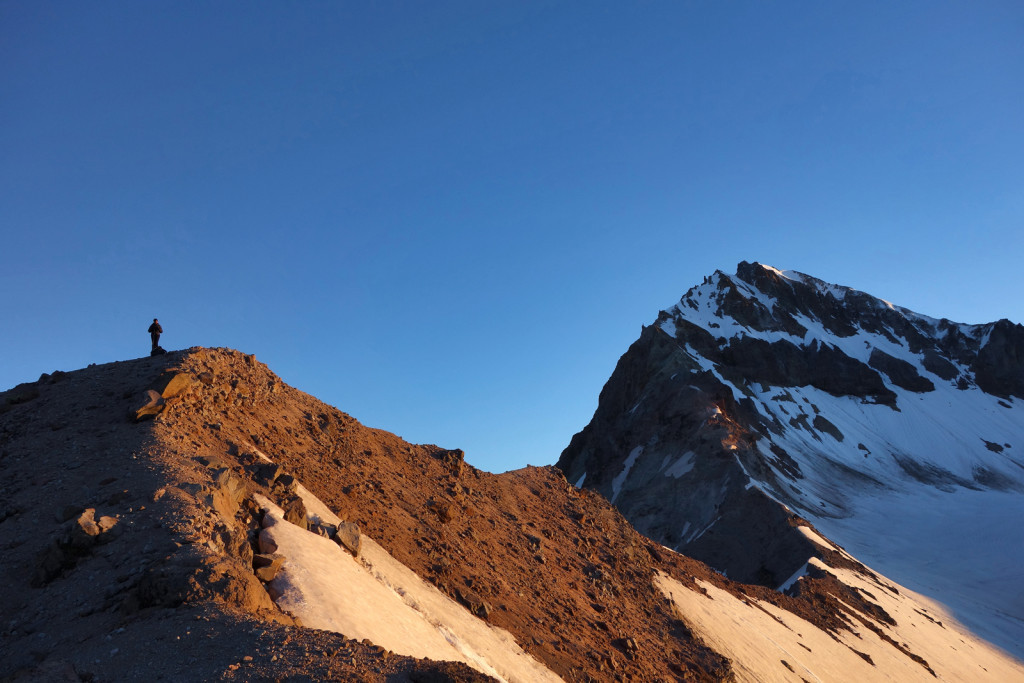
x=75 y=540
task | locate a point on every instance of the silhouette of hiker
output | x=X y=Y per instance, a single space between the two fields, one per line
x=154 y=333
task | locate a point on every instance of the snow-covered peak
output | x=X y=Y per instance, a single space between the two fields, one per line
x=764 y=283
x=769 y=393
x=772 y=305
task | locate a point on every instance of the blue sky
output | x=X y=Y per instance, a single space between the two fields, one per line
x=450 y=219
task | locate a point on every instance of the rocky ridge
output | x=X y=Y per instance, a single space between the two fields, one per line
x=172 y=482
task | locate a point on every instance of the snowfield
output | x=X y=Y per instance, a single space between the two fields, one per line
x=965 y=548
x=766 y=644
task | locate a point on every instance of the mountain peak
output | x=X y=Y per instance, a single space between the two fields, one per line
x=772 y=390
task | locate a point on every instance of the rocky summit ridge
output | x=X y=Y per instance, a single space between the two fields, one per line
x=191 y=517
x=765 y=401
x=184 y=517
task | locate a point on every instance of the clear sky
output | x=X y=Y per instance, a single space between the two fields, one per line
x=450 y=219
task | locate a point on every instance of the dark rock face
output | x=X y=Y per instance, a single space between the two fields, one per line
x=755 y=539
x=900 y=372
x=785 y=364
x=683 y=429
x=742 y=412
x=939 y=366
x=999 y=368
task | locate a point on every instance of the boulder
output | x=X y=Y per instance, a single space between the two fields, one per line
x=265 y=567
x=266 y=473
x=212 y=461
x=86 y=528
x=295 y=512
x=349 y=538
x=266 y=543
x=229 y=482
x=150 y=404
x=441 y=509
x=106 y=523
x=222 y=495
x=286 y=482
x=473 y=602
x=172 y=383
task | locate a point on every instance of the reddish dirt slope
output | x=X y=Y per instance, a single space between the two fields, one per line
x=560 y=569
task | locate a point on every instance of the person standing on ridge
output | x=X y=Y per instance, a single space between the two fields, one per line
x=154 y=333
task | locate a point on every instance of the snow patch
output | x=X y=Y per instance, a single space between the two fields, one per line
x=766 y=643
x=380 y=599
x=626 y=467
x=815 y=538
x=316 y=511
x=681 y=466
x=701 y=532
x=910 y=536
